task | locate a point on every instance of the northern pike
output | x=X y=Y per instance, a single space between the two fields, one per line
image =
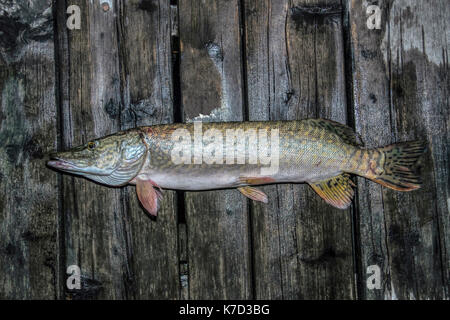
x=242 y=155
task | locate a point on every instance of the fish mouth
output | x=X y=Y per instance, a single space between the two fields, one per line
x=63 y=165
x=68 y=166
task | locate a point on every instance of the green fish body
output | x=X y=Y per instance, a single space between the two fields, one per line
x=242 y=155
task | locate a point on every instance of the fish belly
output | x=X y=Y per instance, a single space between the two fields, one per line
x=206 y=177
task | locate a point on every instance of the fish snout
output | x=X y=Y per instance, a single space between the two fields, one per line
x=57 y=161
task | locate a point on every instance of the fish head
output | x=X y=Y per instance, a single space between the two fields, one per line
x=112 y=160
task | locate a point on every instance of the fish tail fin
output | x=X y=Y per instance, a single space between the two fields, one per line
x=399 y=170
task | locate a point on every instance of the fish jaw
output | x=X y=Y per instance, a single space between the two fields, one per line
x=62 y=165
x=59 y=163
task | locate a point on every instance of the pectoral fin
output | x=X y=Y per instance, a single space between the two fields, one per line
x=254 y=194
x=148 y=195
x=336 y=191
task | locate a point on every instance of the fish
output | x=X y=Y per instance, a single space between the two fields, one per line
x=243 y=155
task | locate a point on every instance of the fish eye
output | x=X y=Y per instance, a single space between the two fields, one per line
x=91 y=145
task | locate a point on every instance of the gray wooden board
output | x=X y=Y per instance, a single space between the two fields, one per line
x=400 y=93
x=147 y=99
x=28 y=130
x=369 y=76
x=295 y=69
x=218 y=253
x=122 y=76
x=95 y=231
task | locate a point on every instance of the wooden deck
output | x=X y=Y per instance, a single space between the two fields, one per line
x=144 y=62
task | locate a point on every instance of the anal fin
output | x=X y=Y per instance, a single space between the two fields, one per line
x=336 y=191
x=254 y=194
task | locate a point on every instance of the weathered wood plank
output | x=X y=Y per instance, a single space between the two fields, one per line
x=370 y=99
x=400 y=92
x=211 y=85
x=96 y=236
x=295 y=70
x=145 y=30
x=28 y=122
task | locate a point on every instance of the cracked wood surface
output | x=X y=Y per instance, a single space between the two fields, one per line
x=217 y=222
x=400 y=91
x=295 y=70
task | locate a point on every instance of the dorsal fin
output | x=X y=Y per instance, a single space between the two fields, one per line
x=343 y=131
x=336 y=191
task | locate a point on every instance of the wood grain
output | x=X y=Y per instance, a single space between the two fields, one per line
x=147 y=99
x=295 y=70
x=28 y=130
x=218 y=253
x=95 y=231
x=400 y=93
